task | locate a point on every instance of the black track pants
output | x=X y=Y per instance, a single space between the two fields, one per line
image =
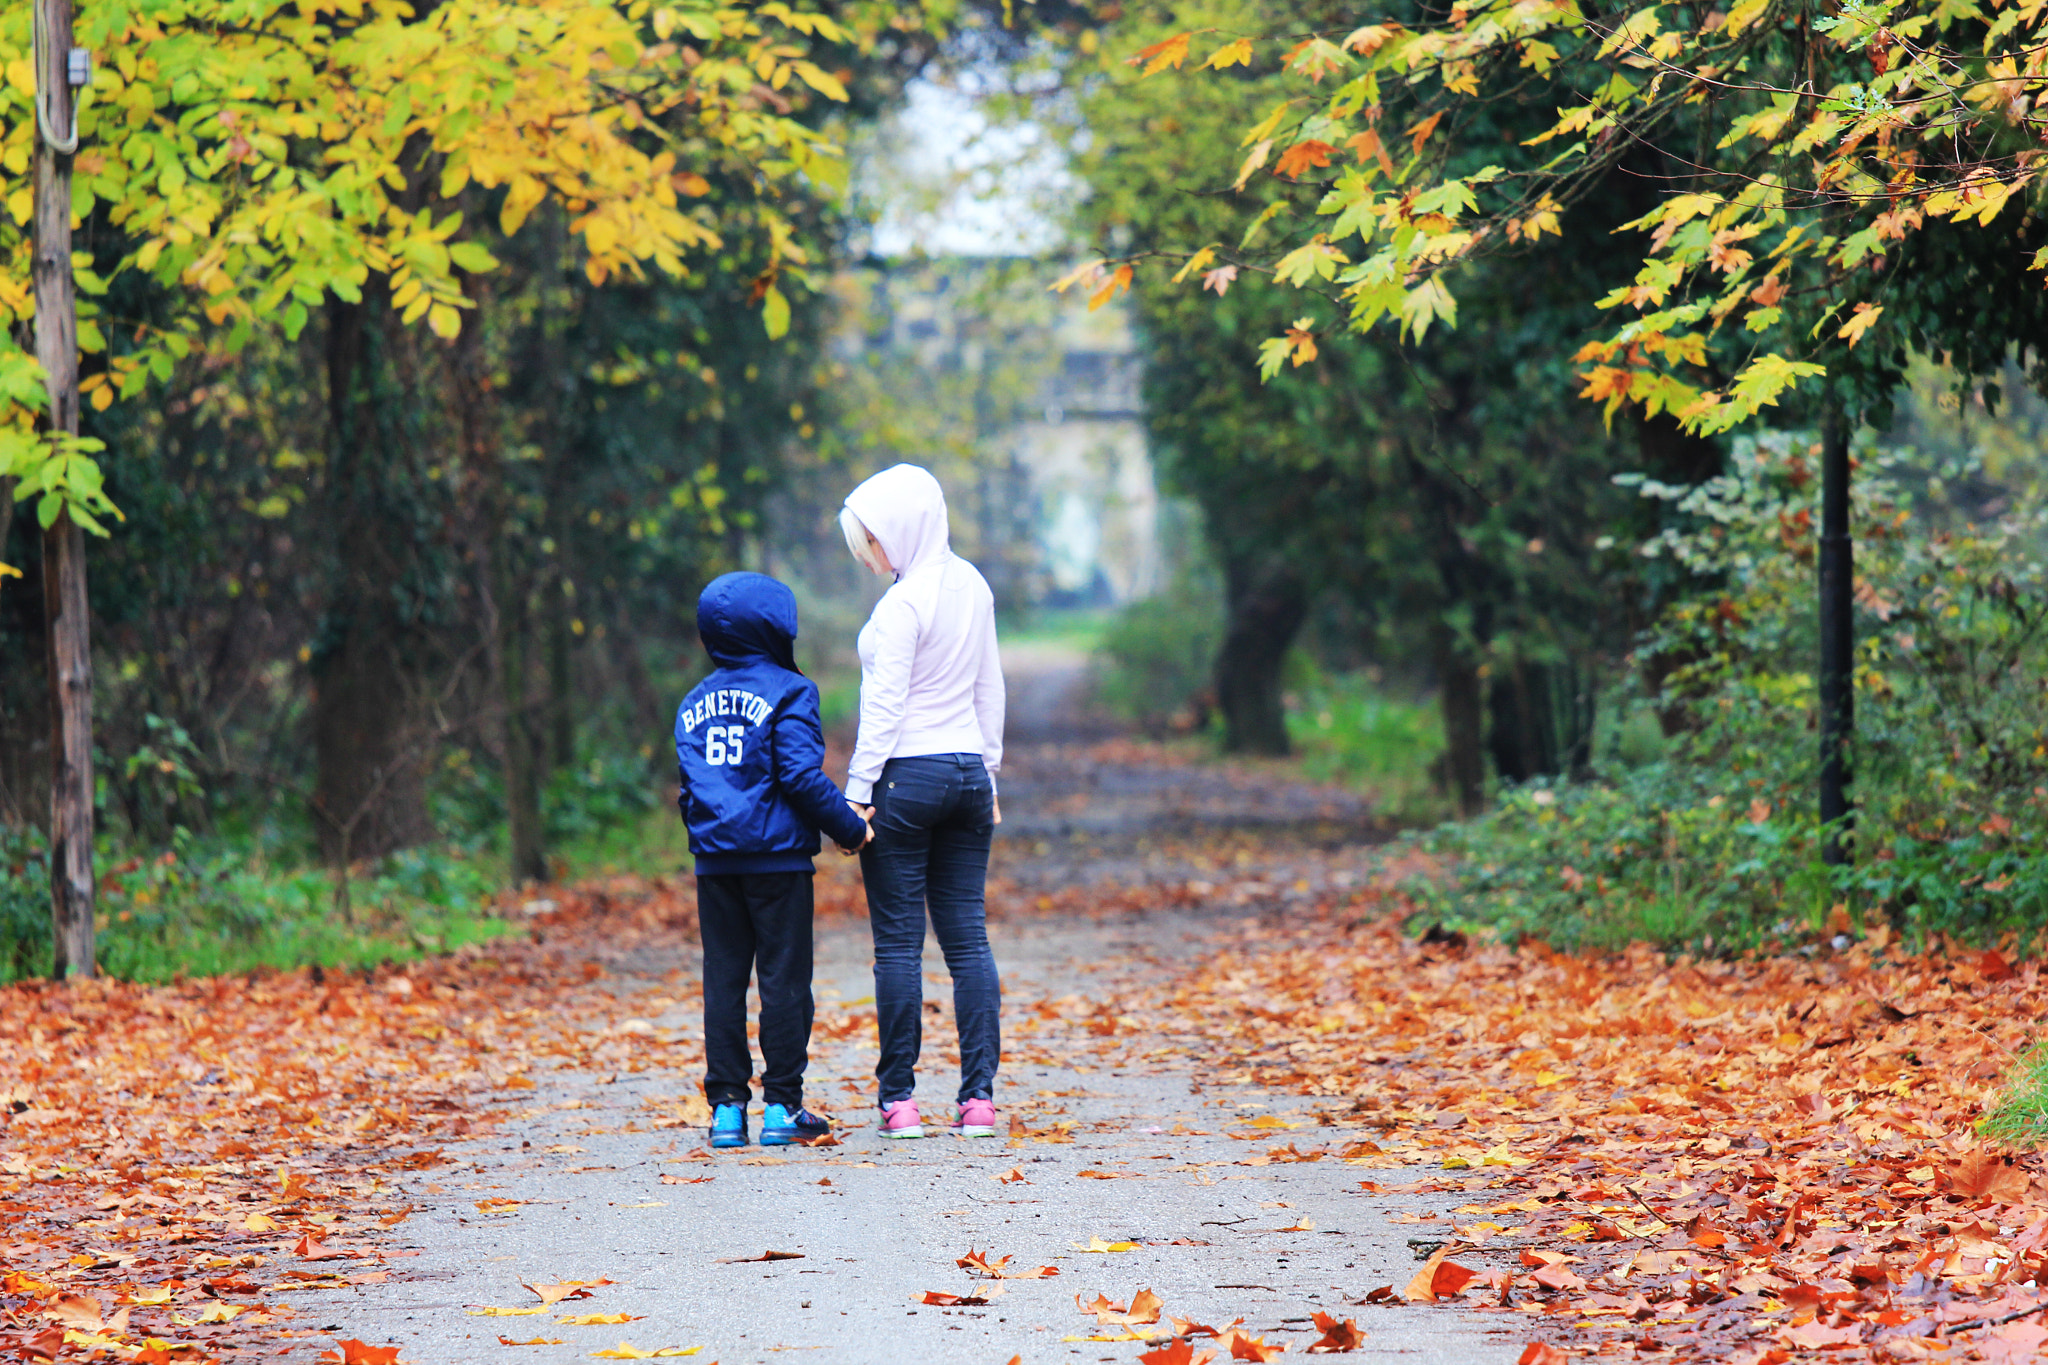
x=756 y=922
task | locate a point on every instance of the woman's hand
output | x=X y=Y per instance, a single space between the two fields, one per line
x=997 y=802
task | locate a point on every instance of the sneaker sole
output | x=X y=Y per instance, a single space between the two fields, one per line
x=975 y=1130
x=726 y=1144
x=791 y=1137
x=900 y=1133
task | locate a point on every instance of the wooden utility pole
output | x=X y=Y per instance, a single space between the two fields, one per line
x=64 y=601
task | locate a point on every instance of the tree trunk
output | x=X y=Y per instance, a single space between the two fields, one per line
x=1267 y=602
x=1837 y=637
x=561 y=683
x=71 y=782
x=1539 y=721
x=1464 y=715
x=508 y=614
x=370 y=794
x=522 y=752
x=69 y=646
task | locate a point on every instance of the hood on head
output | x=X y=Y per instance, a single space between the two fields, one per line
x=746 y=616
x=904 y=508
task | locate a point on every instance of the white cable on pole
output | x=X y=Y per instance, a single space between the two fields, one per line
x=63 y=146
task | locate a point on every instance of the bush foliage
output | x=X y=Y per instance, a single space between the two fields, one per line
x=1715 y=840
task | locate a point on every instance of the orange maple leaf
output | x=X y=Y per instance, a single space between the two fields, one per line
x=1336 y=1336
x=1304 y=156
x=1179 y=1351
x=1162 y=54
x=355 y=1352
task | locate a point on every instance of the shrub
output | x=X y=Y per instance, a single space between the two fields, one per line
x=1347 y=729
x=1157 y=657
x=1716 y=839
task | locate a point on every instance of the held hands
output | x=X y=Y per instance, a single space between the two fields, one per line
x=866 y=814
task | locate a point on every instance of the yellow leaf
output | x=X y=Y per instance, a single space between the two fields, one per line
x=1088 y=272
x=506 y=1312
x=255 y=1222
x=1200 y=261
x=595 y=1319
x=1119 y=281
x=21 y=204
x=1859 y=322
x=1162 y=54
x=1097 y=1244
x=1237 y=53
x=445 y=321
x=627 y=1351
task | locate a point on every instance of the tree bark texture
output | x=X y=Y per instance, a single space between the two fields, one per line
x=1461 y=700
x=1539 y=721
x=1267 y=602
x=1837 y=636
x=64 y=601
x=509 y=614
x=370 y=794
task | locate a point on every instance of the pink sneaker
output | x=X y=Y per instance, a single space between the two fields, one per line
x=900 y=1120
x=977 y=1119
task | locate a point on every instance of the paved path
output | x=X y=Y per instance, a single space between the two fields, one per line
x=609 y=1195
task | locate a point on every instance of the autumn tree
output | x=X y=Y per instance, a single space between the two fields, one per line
x=270 y=168
x=1811 y=170
x=1446 y=485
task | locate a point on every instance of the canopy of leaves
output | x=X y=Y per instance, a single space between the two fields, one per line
x=256 y=160
x=1803 y=152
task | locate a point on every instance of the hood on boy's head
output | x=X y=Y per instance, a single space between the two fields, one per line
x=904 y=508
x=746 y=616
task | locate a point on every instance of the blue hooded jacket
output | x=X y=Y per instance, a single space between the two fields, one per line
x=749 y=746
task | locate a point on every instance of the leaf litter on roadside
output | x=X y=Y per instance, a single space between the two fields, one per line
x=179 y=1147
x=1703 y=1158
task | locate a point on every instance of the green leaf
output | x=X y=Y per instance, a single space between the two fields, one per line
x=472 y=257
x=775 y=313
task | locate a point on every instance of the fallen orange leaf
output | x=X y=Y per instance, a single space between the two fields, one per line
x=1179 y=1351
x=564 y=1289
x=594 y=1319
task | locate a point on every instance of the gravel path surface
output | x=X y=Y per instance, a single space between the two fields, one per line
x=1135 y=1145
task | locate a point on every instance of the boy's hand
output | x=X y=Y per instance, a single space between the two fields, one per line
x=866 y=814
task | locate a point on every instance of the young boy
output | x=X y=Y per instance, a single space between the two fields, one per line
x=749 y=750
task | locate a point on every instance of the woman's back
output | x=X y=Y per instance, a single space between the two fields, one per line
x=931 y=673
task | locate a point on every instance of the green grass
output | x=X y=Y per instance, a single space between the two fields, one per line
x=2020 y=1118
x=1080 y=629
x=200 y=909
x=1350 y=732
x=654 y=844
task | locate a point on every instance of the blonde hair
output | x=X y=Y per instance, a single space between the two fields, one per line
x=864 y=547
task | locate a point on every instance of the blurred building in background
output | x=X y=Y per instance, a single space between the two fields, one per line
x=1027 y=407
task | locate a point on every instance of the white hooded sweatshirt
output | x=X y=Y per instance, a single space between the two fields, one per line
x=931 y=681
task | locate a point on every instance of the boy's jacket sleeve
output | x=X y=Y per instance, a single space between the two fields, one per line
x=800 y=773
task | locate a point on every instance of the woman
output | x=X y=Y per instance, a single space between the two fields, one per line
x=923 y=771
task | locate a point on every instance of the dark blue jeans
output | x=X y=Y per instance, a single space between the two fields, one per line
x=934 y=818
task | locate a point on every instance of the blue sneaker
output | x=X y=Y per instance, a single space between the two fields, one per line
x=780 y=1127
x=729 y=1125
